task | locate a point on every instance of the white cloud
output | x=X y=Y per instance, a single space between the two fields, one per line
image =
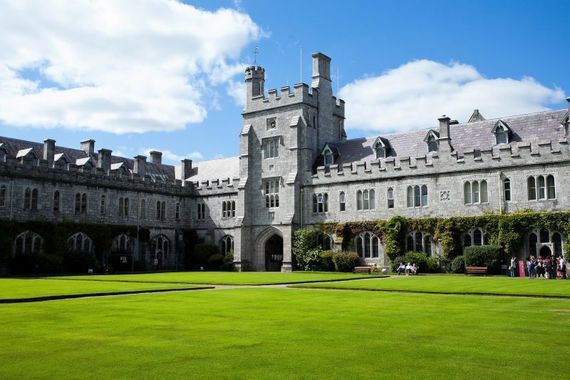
x=118 y=66
x=236 y=90
x=415 y=94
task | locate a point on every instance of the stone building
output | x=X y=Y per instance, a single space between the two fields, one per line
x=295 y=168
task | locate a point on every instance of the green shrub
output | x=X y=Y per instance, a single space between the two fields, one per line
x=310 y=260
x=491 y=256
x=345 y=261
x=215 y=261
x=202 y=253
x=396 y=262
x=458 y=265
x=418 y=258
x=228 y=264
x=49 y=264
x=327 y=262
x=432 y=264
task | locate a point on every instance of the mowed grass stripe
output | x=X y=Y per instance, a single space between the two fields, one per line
x=26 y=290
x=224 y=278
x=286 y=333
x=458 y=285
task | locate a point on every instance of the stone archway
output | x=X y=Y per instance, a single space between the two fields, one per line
x=545 y=251
x=273 y=253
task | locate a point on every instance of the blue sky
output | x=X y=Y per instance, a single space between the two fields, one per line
x=173 y=72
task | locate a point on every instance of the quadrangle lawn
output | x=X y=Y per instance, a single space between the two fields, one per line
x=224 y=278
x=458 y=285
x=264 y=333
x=32 y=288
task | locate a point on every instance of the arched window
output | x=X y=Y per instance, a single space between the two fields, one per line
x=160 y=247
x=419 y=242
x=56 y=202
x=477 y=237
x=531 y=187
x=467 y=192
x=320 y=203
x=410 y=243
x=143 y=209
x=233 y=209
x=342 y=201
x=475 y=191
x=227 y=245
x=427 y=245
x=77 y=203
x=367 y=245
x=532 y=241
x=328 y=157
x=80 y=242
x=83 y=203
x=158 y=207
x=557 y=242
x=102 y=205
x=483 y=190
x=424 y=195
x=507 y=189
x=467 y=242
x=390 y=197
x=28 y=242
x=315 y=204
x=27 y=198
x=541 y=187
x=163 y=211
x=501 y=135
x=380 y=151
x=372 y=197
x=359 y=200
x=410 y=196
x=224 y=212
x=365 y=200
x=551 y=187
x=2 y=196
x=417 y=196
x=432 y=143
x=34 y=199
x=325 y=242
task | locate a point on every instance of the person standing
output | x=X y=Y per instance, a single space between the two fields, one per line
x=513 y=266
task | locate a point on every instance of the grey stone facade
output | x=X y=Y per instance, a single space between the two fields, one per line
x=294 y=166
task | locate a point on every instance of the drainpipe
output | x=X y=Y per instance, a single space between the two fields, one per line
x=501 y=190
x=302 y=202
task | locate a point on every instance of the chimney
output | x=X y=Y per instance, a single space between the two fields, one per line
x=186 y=169
x=104 y=160
x=321 y=70
x=444 y=127
x=139 y=165
x=88 y=146
x=49 y=150
x=156 y=157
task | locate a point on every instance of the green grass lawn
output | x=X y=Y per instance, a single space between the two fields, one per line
x=460 y=285
x=32 y=288
x=225 y=278
x=285 y=334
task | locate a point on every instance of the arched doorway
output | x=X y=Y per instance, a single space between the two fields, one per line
x=274 y=253
x=545 y=251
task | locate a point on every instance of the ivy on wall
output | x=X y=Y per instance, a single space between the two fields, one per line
x=508 y=231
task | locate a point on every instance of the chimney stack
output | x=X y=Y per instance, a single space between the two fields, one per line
x=49 y=150
x=104 y=160
x=321 y=71
x=444 y=122
x=139 y=165
x=88 y=146
x=156 y=157
x=186 y=169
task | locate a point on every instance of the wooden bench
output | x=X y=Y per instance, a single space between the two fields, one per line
x=364 y=269
x=475 y=270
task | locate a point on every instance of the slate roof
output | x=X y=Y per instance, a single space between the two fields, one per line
x=222 y=168
x=13 y=146
x=527 y=128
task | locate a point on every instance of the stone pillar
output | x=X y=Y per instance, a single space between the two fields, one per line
x=444 y=136
x=287 y=265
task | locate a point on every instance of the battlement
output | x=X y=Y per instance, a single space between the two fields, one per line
x=216 y=186
x=301 y=94
x=498 y=157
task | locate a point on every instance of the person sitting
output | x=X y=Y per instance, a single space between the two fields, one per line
x=414 y=269
x=408 y=268
x=401 y=268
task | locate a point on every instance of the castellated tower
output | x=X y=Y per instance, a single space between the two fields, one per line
x=283 y=132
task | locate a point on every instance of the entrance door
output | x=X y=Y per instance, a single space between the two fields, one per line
x=545 y=251
x=274 y=253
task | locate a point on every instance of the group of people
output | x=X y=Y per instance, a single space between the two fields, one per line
x=541 y=267
x=407 y=269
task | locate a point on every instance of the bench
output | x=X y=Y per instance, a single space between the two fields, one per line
x=475 y=270
x=364 y=269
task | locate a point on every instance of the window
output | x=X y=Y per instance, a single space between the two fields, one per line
x=544 y=236
x=324 y=242
x=102 y=205
x=271 y=193
x=123 y=243
x=390 y=197
x=417 y=196
x=271 y=124
x=201 y=214
x=320 y=203
x=328 y=157
x=28 y=243
x=419 y=242
x=227 y=245
x=367 y=245
x=143 y=209
x=271 y=148
x=342 y=201
x=27 y=198
x=77 y=203
x=228 y=209
x=475 y=192
x=80 y=242
x=160 y=210
x=380 y=148
x=475 y=236
x=2 y=196
x=83 y=203
x=365 y=200
x=532 y=242
x=124 y=207
x=177 y=212
x=433 y=144
x=557 y=242
x=56 y=202
x=507 y=189
x=541 y=188
x=501 y=135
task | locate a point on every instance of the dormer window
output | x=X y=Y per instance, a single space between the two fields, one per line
x=381 y=147
x=328 y=156
x=432 y=141
x=502 y=132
